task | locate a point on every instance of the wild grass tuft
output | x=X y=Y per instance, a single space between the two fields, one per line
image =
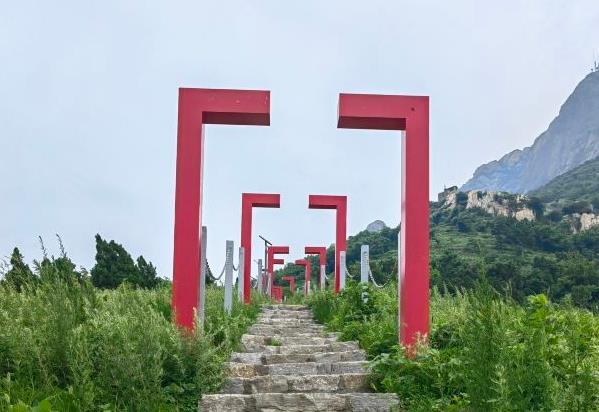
x=485 y=352
x=69 y=346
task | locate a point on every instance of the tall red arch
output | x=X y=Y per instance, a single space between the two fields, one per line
x=339 y=204
x=410 y=114
x=198 y=107
x=248 y=202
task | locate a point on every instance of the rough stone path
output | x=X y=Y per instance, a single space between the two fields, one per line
x=289 y=363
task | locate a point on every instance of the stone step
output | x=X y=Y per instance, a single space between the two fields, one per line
x=257 y=358
x=245 y=370
x=290 y=363
x=257 y=340
x=300 y=402
x=284 y=330
x=288 y=314
x=285 y=322
x=326 y=357
x=291 y=349
x=350 y=382
x=286 y=307
x=276 y=337
x=300 y=311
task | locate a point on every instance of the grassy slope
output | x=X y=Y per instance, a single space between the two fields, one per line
x=486 y=352
x=580 y=183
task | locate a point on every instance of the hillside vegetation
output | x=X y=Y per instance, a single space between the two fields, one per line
x=580 y=184
x=66 y=345
x=486 y=352
x=519 y=258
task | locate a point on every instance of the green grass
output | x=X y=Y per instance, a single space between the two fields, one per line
x=578 y=184
x=71 y=347
x=485 y=352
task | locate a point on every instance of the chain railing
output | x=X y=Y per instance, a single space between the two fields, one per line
x=263 y=282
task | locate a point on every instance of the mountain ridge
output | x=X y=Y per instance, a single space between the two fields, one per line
x=571 y=139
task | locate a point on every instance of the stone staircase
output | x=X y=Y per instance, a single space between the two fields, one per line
x=289 y=363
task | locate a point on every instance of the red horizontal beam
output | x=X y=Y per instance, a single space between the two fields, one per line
x=321 y=251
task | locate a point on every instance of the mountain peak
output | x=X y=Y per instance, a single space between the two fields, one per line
x=571 y=139
x=376 y=226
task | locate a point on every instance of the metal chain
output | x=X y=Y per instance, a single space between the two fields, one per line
x=372 y=279
x=209 y=271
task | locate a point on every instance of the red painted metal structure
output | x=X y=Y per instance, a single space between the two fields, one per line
x=307 y=269
x=277 y=293
x=410 y=114
x=339 y=203
x=248 y=202
x=291 y=280
x=198 y=107
x=271 y=261
x=274 y=263
x=322 y=256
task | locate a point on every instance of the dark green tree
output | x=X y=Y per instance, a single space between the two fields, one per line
x=537 y=206
x=114 y=265
x=19 y=276
x=148 y=278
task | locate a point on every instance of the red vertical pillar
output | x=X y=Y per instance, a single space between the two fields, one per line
x=291 y=280
x=198 y=107
x=339 y=203
x=322 y=254
x=411 y=114
x=306 y=264
x=248 y=202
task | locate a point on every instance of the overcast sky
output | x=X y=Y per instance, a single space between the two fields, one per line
x=88 y=109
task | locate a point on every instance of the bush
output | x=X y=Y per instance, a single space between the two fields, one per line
x=67 y=344
x=485 y=352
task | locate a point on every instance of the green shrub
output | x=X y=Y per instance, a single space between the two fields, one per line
x=485 y=352
x=67 y=344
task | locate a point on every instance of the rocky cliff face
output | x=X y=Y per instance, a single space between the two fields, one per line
x=571 y=139
x=376 y=226
x=494 y=203
x=581 y=222
x=509 y=205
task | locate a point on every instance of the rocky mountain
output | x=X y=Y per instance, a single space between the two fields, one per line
x=571 y=139
x=376 y=226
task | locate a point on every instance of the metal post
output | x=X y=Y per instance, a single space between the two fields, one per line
x=342 y=270
x=268 y=285
x=323 y=276
x=260 y=285
x=203 y=272
x=364 y=264
x=229 y=277
x=240 y=274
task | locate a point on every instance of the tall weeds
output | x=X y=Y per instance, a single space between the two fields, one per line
x=484 y=352
x=69 y=345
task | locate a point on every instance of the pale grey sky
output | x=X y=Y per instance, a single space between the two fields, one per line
x=88 y=108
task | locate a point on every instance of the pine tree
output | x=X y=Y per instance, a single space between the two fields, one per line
x=114 y=265
x=147 y=273
x=19 y=275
